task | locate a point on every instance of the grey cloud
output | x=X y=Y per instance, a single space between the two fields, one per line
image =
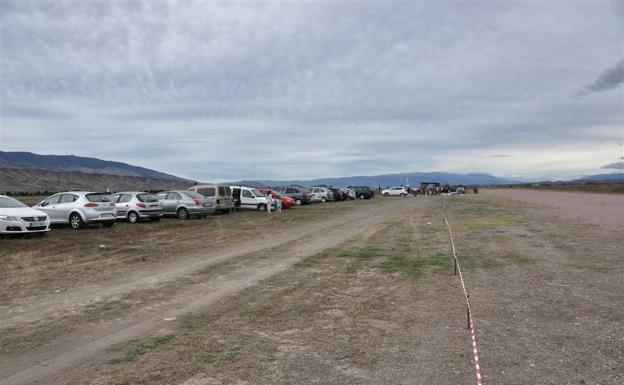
x=608 y=80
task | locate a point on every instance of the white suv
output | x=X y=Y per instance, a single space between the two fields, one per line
x=395 y=191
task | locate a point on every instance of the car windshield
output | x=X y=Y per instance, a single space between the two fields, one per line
x=8 y=202
x=98 y=197
x=193 y=194
x=147 y=198
x=258 y=193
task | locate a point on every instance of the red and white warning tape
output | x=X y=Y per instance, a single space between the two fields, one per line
x=473 y=333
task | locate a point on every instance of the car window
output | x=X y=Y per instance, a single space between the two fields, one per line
x=247 y=194
x=147 y=198
x=96 y=197
x=257 y=192
x=207 y=191
x=8 y=202
x=161 y=196
x=125 y=198
x=53 y=199
x=68 y=198
x=222 y=191
x=193 y=195
x=173 y=196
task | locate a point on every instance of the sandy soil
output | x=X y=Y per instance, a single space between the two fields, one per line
x=597 y=209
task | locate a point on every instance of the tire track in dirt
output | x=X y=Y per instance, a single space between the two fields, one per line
x=89 y=340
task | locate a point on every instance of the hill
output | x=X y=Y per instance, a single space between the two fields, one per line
x=19 y=180
x=28 y=160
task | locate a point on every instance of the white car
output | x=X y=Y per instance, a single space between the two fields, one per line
x=395 y=191
x=17 y=218
x=321 y=194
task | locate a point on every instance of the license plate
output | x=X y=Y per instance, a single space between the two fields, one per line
x=37 y=224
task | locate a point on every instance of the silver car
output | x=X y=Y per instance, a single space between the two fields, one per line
x=79 y=208
x=183 y=204
x=135 y=206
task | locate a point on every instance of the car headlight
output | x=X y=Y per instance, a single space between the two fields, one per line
x=8 y=218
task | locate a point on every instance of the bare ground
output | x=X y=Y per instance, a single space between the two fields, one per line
x=373 y=303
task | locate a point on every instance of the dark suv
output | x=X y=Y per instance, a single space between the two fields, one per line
x=362 y=192
x=300 y=195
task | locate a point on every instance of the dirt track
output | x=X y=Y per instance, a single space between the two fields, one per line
x=250 y=262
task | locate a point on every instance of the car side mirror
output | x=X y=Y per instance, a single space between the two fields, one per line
x=42 y=204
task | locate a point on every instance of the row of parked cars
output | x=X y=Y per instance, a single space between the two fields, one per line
x=80 y=208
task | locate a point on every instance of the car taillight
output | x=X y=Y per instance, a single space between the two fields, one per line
x=91 y=205
x=141 y=205
x=197 y=202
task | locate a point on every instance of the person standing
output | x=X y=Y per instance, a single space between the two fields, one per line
x=269 y=202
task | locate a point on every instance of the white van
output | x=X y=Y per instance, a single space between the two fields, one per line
x=221 y=194
x=248 y=198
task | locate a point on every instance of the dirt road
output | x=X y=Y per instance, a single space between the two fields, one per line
x=190 y=284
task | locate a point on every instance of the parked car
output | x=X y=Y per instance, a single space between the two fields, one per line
x=300 y=195
x=17 y=218
x=249 y=198
x=321 y=194
x=395 y=191
x=222 y=195
x=338 y=194
x=362 y=192
x=184 y=204
x=287 y=202
x=350 y=192
x=135 y=206
x=79 y=208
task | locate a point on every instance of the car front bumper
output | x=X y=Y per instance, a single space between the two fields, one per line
x=23 y=227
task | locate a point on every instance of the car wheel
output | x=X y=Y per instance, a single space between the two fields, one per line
x=182 y=213
x=298 y=202
x=108 y=224
x=386 y=195
x=362 y=196
x=75 y=221
x=262 y=207
x=133 y=217
x=323 y=199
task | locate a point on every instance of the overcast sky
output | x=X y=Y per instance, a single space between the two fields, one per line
x=223 y=91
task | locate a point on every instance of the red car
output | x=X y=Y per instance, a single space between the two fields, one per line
x=287 y=202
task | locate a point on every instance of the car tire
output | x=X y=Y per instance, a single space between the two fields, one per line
x=386 y=195
x=133 y=217
x=298 y=202
x=262 y=207
x=323 y=199
x=75 y=221
x=182 y=213
x=108 y=224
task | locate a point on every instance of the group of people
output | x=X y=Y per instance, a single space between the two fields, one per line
x=273 y=205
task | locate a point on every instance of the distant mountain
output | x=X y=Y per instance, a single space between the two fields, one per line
x=28 y=160
x=612 y=177
x=413 y=178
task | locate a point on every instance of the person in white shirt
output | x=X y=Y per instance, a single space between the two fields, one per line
x=269 y=202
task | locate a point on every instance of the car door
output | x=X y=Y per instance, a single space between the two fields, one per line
x=123 y=205
x=64 y=207
x=247 y=199
x=48 y=206
x=173 y=202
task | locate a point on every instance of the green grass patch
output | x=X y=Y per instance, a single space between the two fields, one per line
x=134 y=349
x=414 y=268
x=361 y=253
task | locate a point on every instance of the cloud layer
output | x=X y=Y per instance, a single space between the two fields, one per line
x=234 y=90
